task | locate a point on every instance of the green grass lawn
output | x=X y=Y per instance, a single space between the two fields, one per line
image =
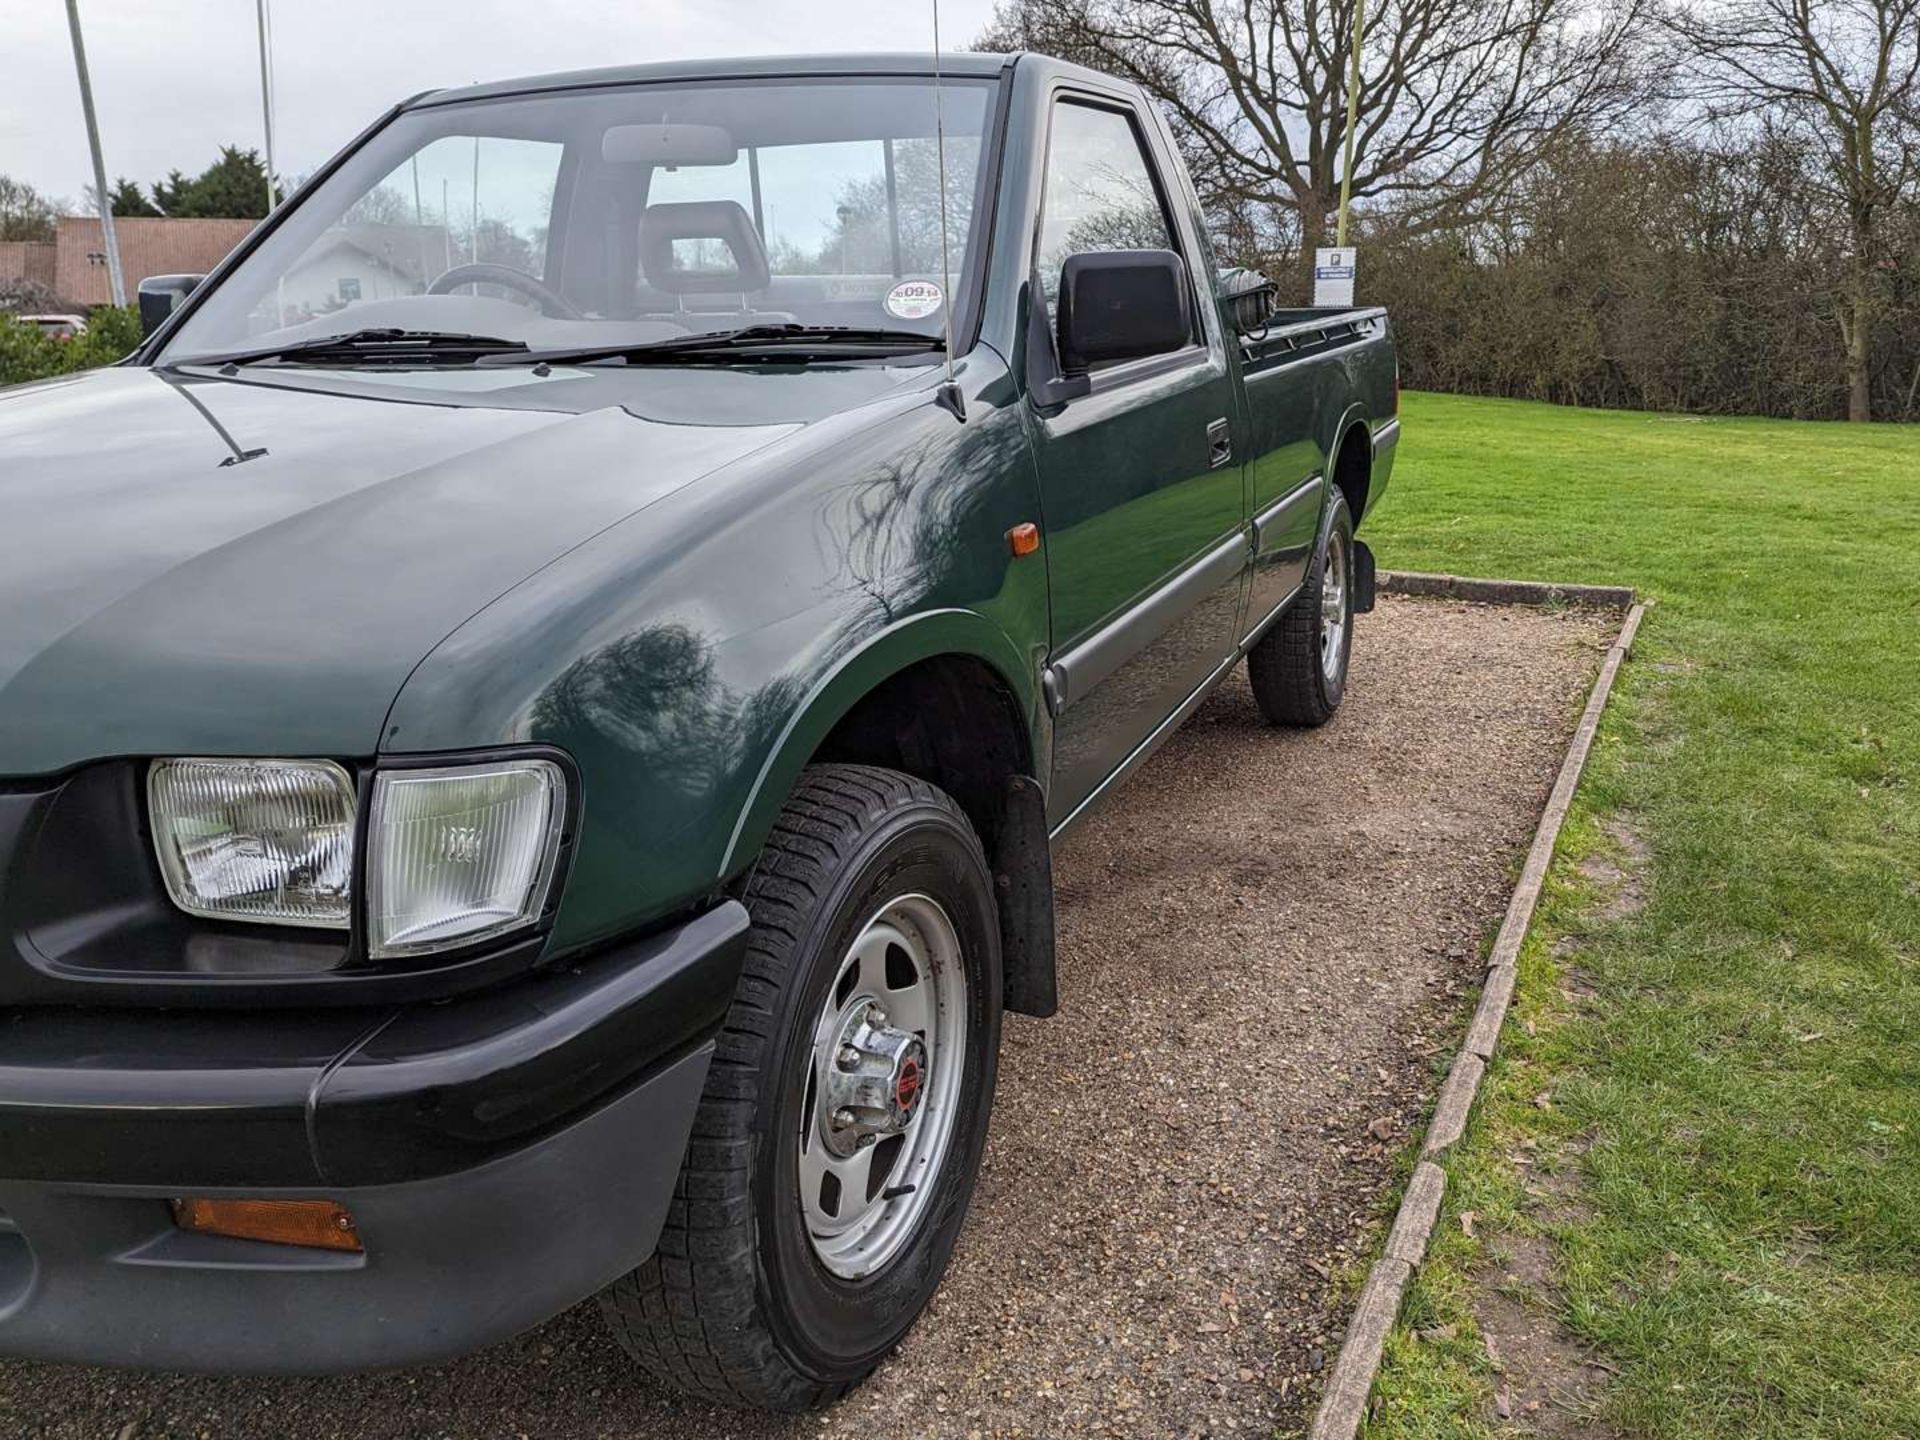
x=1735 y=1109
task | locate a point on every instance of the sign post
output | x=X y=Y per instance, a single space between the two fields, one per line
x=1333 y=268
x=1353 y=118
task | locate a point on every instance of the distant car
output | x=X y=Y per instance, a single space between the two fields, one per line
x=57 y=327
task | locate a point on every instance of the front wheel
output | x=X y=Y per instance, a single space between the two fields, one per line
x=1298 y=669
x=836 y=1145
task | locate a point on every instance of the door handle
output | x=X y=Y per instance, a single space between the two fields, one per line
x=1219 y=444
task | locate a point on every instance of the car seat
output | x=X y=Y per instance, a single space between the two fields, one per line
x=663 y=225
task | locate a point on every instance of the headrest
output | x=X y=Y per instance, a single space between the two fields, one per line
x=722 y=220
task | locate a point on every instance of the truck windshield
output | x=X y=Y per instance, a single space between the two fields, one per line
x=610 y=217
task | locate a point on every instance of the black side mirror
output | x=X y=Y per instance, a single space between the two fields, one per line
x=160 y=296
x=1122 y=305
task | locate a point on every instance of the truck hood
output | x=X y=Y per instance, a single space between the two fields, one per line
x=241 y=566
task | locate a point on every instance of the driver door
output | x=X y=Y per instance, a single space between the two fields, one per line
x=1140 y=479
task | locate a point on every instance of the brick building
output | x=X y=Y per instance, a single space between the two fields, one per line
x=27 y=260
x=74 y=263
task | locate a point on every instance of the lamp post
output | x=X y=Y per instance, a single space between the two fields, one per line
x=266 y=92
x=115 y=280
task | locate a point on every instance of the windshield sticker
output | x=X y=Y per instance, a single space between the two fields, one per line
x=914 y=300
x=857 y=287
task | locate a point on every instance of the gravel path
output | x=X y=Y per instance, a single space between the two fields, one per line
x=1267 y=944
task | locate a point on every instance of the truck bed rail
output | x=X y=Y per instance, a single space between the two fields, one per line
x=1289 y=330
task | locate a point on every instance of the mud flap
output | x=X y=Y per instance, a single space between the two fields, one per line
x=1362 y=577
x=1023 y=884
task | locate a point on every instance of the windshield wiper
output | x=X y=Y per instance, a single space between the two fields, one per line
x=381 y=346
x=748 y=343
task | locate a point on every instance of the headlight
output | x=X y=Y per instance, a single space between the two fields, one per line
x=455 y=854
x=460 y=853
x=263 y=840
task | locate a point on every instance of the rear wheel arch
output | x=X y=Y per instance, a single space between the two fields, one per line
x=1351 y=464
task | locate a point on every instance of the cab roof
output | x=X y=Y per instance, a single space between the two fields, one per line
x=964 y=64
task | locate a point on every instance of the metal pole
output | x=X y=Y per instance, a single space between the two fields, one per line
x=419 y=223
x=266 y=92
x=1353 y=113
x=117 y=283
x=940 y=179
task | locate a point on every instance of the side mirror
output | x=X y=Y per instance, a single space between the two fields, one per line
x=160 y=296
x=1122 y=305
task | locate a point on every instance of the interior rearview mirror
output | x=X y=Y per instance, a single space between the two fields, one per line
x=664 y=144
x=160 y=296
x=1122 y=305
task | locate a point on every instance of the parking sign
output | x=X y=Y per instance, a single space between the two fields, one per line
x=1333 y=276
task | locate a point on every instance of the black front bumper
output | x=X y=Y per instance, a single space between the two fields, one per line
x=505 y=1155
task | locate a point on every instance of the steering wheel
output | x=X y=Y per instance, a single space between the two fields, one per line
x=551 y=302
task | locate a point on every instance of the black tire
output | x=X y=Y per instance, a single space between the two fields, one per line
x=1291 y=684
x=735 y=1306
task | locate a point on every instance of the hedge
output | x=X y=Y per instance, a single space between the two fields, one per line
x=27 y=353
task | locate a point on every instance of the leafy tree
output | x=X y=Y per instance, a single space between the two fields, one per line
x=233 y=187
x=127 y=199
x=25 y=214
x=169 y=194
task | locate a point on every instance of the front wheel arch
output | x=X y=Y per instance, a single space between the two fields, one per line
x=935 y=698
x=932 y=635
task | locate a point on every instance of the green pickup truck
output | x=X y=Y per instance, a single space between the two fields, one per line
x=534 y=710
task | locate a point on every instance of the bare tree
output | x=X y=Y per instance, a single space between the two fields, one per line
x=25 y=214
x=1844 y=75
x=1458 y=98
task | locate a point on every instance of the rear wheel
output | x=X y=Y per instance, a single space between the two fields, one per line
x=1298 y=669
x=836 y=1144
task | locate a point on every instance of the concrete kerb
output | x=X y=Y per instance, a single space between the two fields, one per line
x=1344 y=1405
x=1503 y=592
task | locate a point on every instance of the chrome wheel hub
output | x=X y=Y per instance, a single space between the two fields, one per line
x=1333 y=609
x=883 y=1086
x=874 y=1085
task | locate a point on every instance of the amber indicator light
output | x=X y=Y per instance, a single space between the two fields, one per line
x=316 y=1224
x=1024 y=538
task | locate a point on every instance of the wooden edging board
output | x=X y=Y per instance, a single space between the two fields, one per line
x=1344 y=1405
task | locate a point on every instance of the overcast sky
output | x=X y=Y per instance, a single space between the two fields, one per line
x=175 y=80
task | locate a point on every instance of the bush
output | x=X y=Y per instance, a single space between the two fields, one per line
x=21 y=296
x=27 y=354
x=1662 y=274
